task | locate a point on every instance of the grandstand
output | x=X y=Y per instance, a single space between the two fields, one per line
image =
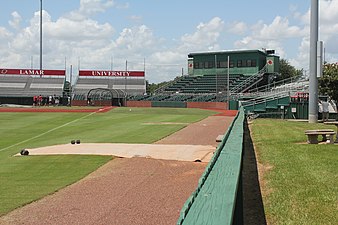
x=122 y=82
x=20 y=85
x=212 y=72
x=217 y=76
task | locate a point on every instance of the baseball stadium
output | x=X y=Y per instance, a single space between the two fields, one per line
x=228 y=142
x=99 y=149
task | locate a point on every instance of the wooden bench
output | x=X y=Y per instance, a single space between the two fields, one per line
x=312 y=136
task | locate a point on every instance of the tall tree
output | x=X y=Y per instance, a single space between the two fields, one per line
x=151 y=87
x=287 y=71
x=328 y=83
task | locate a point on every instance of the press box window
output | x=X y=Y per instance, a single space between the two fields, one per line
x=196 y=65
x=239 y=63
x=231 y=64
x=223 y=64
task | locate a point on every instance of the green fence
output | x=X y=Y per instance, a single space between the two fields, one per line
x=214 y=200
x=169 y=104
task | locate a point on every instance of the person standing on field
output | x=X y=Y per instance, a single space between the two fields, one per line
x=325 y=113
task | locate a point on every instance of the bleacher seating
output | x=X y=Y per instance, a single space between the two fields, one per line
x=28 y=86
x=179 y=97
x=130 y=85
x=137 y=97
x=205 y=84
x=161 y=97
x=203 y=98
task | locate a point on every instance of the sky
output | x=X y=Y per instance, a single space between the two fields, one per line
x=157 y=35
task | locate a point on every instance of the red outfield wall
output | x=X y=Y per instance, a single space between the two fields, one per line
x=138 y=103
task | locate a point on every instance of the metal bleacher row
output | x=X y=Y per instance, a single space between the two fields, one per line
x=206 y=88
x=129 y=85
x=179 y=97
x=29 y=86
x=205 y=84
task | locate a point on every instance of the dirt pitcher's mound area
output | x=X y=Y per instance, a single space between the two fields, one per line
x=125 y=191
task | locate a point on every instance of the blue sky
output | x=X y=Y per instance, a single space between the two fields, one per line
x=100 y=34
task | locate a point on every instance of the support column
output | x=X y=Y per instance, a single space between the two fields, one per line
x=313 y=89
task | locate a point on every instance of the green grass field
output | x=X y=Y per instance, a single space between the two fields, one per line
x=302 y=182
x=26 y=179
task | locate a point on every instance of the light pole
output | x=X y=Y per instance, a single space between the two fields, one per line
x=216 y=77
x=313 y=89
x=40 y=34
x=228 y=83
x=125 y=77
x=70 y=86
x=125 y=85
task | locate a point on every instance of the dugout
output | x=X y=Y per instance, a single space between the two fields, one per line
x=106 y=97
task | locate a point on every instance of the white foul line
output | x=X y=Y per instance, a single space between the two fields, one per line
x=51 y=130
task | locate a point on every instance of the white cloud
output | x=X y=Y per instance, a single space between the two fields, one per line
x=65 y=37
x=16 y=20
x=279 y=35
x=278 y=29
x=328 y=11
x=90 y=8
x=166 y=58
x=136 y=39
x=301 y=60
x=252 y=43
x=328 y=20
x=238 y=28
x=329 y=26
x=271 y=36
x=5 y=35
x=88 y=29
x=26 y=40
x=205 y=37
